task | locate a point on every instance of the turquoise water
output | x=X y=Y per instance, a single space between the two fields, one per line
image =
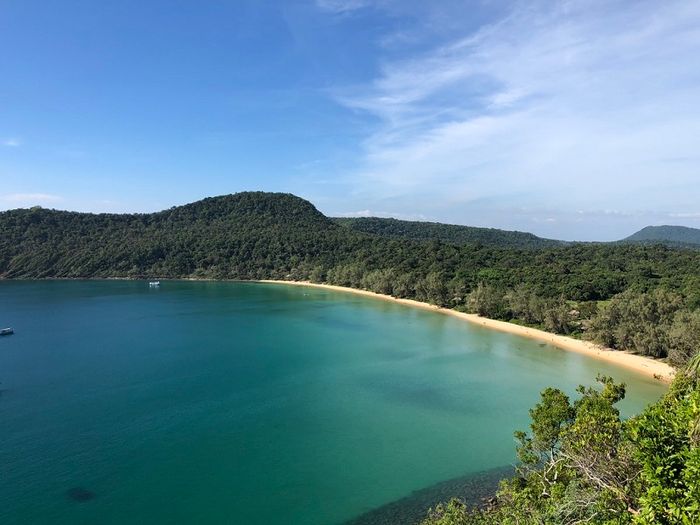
x=249 y=403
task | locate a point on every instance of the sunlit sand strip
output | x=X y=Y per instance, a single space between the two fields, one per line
x=645 y=365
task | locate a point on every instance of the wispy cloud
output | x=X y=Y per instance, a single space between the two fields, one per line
x=30 y=199
x=11 y=142
x=577 y=103
x=342 y=6
x=685 y=215
x=386 y=214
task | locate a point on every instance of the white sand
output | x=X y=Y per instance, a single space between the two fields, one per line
x=645 y=365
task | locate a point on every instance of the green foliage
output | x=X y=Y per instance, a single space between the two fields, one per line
x=449 y=233
x=265 y=235
x=656 y=323
x=684 y=337
x=549 y=418
x=666 y=438
x=575 y=465
x=488 y=301
x=581 y=463
x=671 y=235
x=559 y=317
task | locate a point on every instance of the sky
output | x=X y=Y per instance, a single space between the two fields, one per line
x=572 y=119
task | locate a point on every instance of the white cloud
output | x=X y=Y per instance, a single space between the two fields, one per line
x=30 y=199
x=385 y=214
x=578 y=104
x=685 y=215
x=342 y=6
x=358 y=213
x=12 y=142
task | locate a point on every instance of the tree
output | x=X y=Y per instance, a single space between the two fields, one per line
x=638 y=322
x=558 y=317
x=436 y=289
x=684 y=337
x=549 y=418
x=488 y=301
x=667 y=444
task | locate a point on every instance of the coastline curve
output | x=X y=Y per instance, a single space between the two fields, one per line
x=644 y=365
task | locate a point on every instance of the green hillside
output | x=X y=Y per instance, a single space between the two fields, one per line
x=450 y=233
x=257 y=235
x=245 y=235
x=671 y=235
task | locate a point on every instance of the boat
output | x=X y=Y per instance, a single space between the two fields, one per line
x=7 y=331
x=154 y=284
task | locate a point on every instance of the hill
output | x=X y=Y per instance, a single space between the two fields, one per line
x=681 y=236
x=450 y=233
x=227 y=236
x=256 y=235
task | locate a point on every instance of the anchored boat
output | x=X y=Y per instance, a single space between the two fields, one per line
x=7 y=331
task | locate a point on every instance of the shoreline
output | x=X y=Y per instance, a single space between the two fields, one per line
x=644 y=365
x=647 y=366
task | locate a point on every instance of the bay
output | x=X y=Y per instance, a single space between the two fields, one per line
x=220 y=402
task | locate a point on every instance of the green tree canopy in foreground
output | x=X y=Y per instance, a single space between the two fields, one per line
x=581 y=463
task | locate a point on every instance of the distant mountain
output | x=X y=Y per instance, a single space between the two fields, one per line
x=449 y=233
x=679 y=236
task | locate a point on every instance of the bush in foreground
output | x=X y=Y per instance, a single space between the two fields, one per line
x=581 y=463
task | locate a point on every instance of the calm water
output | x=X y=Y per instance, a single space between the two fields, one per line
x=249 y=403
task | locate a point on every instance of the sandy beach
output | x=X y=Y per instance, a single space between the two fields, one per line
x=644 y=365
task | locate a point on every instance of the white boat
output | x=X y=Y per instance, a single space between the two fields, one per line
x=7 y=331
x=154 y=284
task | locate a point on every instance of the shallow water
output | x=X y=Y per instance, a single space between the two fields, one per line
x=204 y=402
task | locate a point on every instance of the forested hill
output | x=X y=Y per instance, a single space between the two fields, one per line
x=450 y=233
x=255 y=235
x=671 y=235
x=259 y=235
x=247 y=209
x=225 y=236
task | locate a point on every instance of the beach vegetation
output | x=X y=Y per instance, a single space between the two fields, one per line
x=580 y=462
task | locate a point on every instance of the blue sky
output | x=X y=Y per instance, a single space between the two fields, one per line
x=576 y=119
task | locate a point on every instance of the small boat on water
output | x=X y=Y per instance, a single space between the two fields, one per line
x=7 y=331
x=154 y=284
